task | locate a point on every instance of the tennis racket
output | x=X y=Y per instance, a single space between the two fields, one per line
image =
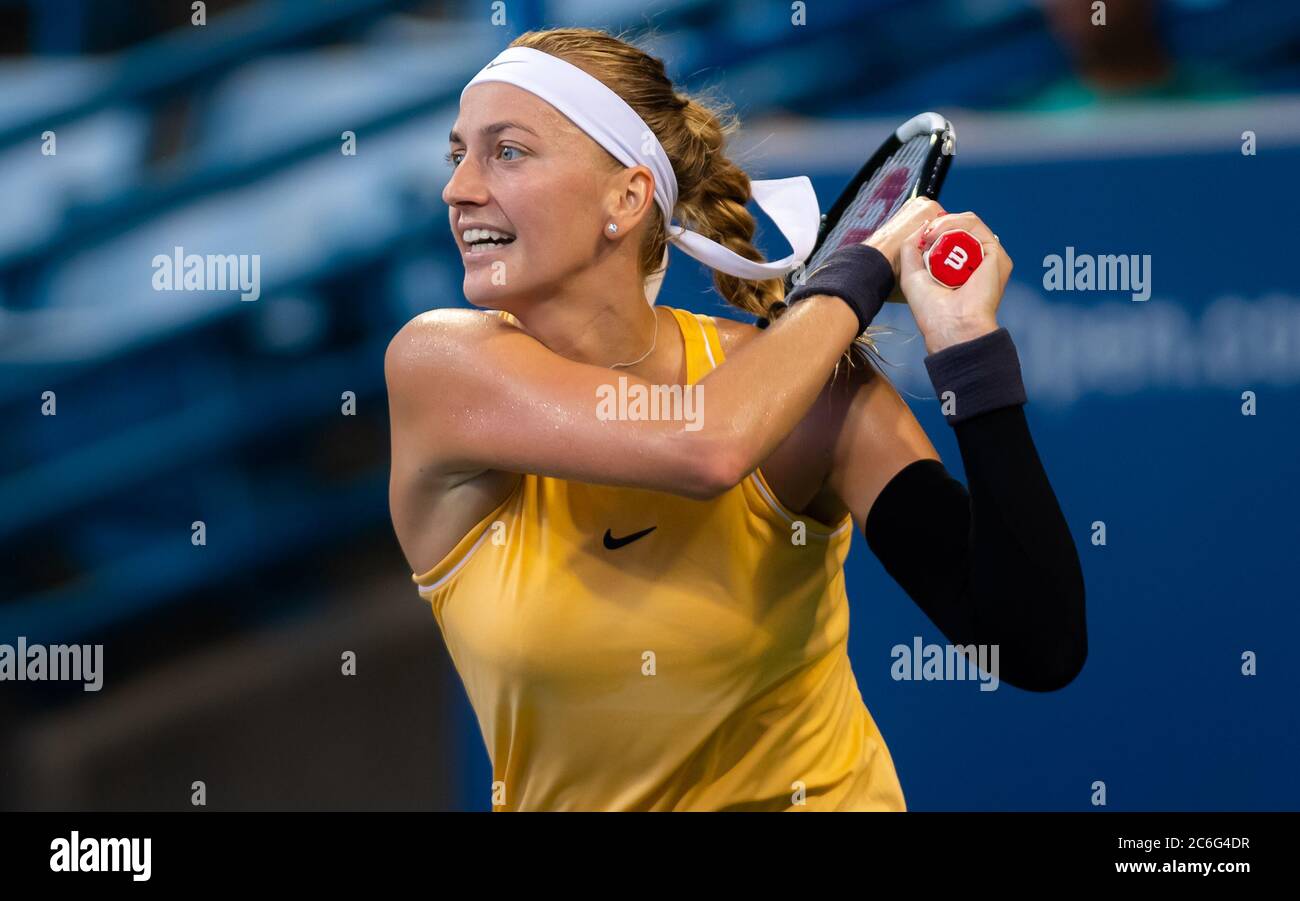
x=912 y=162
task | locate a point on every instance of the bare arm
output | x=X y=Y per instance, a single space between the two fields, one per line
x=874 y=435
x=469 y=393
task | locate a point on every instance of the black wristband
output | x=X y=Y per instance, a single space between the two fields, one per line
x=857 y=274
x=983 y=374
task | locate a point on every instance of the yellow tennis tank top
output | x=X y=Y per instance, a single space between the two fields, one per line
x=701 y=666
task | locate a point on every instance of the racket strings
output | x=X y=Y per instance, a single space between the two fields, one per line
x=879 y=198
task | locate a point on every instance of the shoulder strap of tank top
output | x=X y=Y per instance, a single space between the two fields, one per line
x=703 y=349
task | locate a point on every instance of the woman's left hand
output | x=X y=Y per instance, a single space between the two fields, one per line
x=948 y=316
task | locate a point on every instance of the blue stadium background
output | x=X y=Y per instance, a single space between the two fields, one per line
x=222 y=662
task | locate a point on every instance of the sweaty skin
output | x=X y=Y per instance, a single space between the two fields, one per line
x=475 y=399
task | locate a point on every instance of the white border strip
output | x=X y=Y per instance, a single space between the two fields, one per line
x=704 y=336
x=430 y=589
x=776 y=507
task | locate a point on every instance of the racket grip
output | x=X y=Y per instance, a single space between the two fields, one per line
x=953 y=256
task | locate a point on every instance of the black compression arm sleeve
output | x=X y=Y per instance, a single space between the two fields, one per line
x=995 y=565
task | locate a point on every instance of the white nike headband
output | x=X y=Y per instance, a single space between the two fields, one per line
x=611 y=123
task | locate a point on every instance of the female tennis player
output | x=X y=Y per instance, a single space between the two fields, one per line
x=650 y=613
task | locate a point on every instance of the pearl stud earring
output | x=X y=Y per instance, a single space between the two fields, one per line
x=613 y=227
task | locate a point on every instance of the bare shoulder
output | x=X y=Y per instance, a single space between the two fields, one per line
x=734 y=334
x=436 y=334
x=429 y=367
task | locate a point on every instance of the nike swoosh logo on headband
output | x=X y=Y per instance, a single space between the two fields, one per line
x=504 y=62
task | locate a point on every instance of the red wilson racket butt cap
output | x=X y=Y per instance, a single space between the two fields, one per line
x=953 y=257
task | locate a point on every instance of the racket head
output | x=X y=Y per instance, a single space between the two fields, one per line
x=912 y=162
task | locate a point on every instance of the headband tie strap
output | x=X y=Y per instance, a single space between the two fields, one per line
x=610 y=122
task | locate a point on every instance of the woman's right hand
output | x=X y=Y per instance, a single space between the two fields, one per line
x=890 y=237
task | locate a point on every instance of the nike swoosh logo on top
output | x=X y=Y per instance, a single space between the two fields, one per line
x=613 y=544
